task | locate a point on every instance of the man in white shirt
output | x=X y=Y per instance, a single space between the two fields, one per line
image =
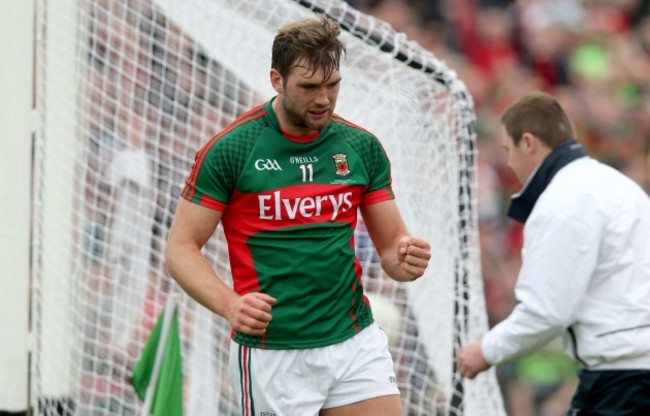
x=585 y=270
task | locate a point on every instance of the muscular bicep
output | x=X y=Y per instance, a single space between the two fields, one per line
x=193 y=224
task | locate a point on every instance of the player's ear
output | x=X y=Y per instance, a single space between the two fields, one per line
x=277 y=81
x=528 y=142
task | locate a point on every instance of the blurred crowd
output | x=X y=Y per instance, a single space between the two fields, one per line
x=594 y=56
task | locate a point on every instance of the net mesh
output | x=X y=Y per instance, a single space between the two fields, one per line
x=127 y=92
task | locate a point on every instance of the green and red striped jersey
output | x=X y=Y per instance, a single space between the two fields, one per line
x=289 y=211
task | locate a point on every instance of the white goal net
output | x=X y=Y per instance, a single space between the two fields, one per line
x=127 y=91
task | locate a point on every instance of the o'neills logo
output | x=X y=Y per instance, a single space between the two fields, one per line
x=341 y=164
x=274 y=207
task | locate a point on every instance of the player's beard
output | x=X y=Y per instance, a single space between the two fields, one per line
x=301 y=118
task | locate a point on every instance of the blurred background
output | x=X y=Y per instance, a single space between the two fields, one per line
x=594 y=56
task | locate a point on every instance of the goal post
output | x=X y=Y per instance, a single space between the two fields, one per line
x=127 y=92
x=16 y=132
x=56 y=193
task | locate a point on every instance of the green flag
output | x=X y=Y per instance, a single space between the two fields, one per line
x=168 y=396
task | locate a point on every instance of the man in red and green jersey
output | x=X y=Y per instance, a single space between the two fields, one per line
x=289 y=208
x=287 y=179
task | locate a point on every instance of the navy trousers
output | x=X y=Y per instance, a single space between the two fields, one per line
x=612 y=393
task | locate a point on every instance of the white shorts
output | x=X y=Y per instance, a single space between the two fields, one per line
x=302 y=382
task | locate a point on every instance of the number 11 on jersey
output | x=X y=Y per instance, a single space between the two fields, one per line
x=307 y=172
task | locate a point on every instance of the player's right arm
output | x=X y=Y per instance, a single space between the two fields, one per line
x=192 y=227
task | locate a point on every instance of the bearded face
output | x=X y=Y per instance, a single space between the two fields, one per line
x=306 y=99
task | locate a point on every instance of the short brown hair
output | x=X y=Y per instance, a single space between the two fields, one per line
x=541 y=115
x=313 y=43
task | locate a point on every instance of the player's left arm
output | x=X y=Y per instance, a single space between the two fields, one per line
x=403 y=257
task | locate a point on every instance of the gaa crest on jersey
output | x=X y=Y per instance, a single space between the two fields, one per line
x=341 y=164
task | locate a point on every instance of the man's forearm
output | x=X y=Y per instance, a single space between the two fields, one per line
x=195 y=275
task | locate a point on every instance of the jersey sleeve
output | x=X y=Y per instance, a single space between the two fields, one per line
x=212 y=180
x=379 y=172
